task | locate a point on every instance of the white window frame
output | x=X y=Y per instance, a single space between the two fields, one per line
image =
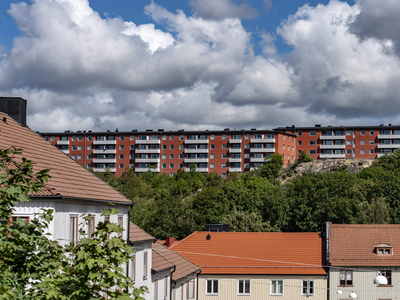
x=308 y=288
x=244 y=287
x=212 y=286
x=276 y=294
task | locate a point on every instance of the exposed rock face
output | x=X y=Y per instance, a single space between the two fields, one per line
x=322 y=166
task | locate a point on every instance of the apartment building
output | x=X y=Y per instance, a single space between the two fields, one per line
x=166 y=152
x=367 y=142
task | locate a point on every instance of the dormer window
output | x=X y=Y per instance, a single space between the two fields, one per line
x=383 y=249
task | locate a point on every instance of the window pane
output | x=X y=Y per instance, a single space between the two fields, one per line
x=273 y=287
x=247 y=287
x=209 y=286
x=280 y=287
x=304 y=287
x=215 y=286
x=240 y=286
x=311 y=283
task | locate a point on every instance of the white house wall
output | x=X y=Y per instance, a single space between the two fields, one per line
x=60 y=225
x=161 y=277
x=179 y=292
x=260 y=287
x=140 y=249
x=363 y=284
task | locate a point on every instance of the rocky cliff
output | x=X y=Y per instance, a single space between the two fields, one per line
x=322 y=166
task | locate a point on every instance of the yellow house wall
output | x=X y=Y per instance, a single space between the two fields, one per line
x=260 y=286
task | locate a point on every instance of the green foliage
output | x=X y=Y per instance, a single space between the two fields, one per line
x=272 y=166
x=303 y=157
x=32 y=266
x=240 y=221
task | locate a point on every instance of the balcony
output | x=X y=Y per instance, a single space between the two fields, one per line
x=257 y=159
x=65 y=151
x=147 y=160
x=332 y=146
x=104 y=160
x=95 y=142
x=105 y=151
x=234 y=159
x=113 y=170
x=196 y=160
x=196 y=141
x=263 y=150
x=146 y=142
x=235 y=141
x=196 y=150
x=200 y=170
x=62 y=143
x=260 y=141
x=388 y=146
x=332 y=137
x=141 y=170
x=388 y=136
x=235 y=169
x=235 y=150
x=342 y=155
x=147 y=150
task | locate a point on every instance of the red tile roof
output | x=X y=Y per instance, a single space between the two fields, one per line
x=254 y=252
x=184 y=267
x=354 y=245
x=137 y=234
x=69 y=179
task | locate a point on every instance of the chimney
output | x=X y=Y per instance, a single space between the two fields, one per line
x=169 y=241
x=15 y=107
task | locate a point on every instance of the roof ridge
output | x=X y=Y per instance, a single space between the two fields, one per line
x=172 y=246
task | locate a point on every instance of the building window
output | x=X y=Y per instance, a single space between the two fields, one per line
x=348 y=152
x=91 y=227
x=180 y=166
x=190 y=289
x=46 y=138
x=313 y=133
x=247 y=155
x=247 y=146
x=171 y=156
x=121 y=166
x=145 y=265
x=79 y=138
x=223 y=146
x=224 y=156
x=346 y=278
x=180 y=156
x=164 y=147
x=212 y=146
x=164 y=166
x=79 y=147
x=89 y=147
x=164 y=138
x=223 y=175
x=74 y=229
x=348 y=132
x=212 y=287
x=212 y=156
x=299 y=143
x=371 y=132
x=73 y=138
x=371 y=142
x=388 y=275
x=133 y=268
x=362 y=132
x=121 y=156
x=277 y=287
x=164 y=156
x=73 y=148
x=121 y=147
x=362 y=151
x=362 y=142
x=348 y=143
x=308 y=288
x=211 y=166
x=171 y=147
x=312 y=152
x=181 y=137
x=247 y=136
x=121 y=137
x=224 y=136
x=73 y=156
x=180 y=147
x=312 y=143
x=132 y=147
x=171 y=166
x=283 y=147
x=223 y=166
x=243 y=287
x=299 y=133
x=371 y=151
x=131 y=156
x=89 y=166
x=246 y=165
x=121 y=224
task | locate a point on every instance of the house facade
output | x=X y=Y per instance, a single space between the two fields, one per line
x=356 y=253
x=255 y=265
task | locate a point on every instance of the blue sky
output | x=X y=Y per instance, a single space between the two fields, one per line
x=201 y=64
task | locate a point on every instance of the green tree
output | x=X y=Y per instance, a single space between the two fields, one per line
x=273 y=164
x=32 y=266
x=303 y=157
x=240 y=221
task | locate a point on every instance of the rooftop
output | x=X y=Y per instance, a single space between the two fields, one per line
x=354 y=245
x=254 y=252
x=69 y=179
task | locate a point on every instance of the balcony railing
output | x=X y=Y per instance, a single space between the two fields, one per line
x=146 y=142
x=104 y=160
x=196 y=160
x=202 y=141
x=235 y=159
x=147 y=150
x=388 y=136
x=140 y=170
x=62 y=143
x=260 y=141
x=235 y=141
x=147 y=160
x=263 y=150
x=235 y=150
x=235 y=169
x=201 y=170
x=96 y=142
x=388 y=146
x=257 y=159
x=104 y=151
x=332 y=137
x=341 y=155
x=332 y=146
x=196 y=151
x=113 y=170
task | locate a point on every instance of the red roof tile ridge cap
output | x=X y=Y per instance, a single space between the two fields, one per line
x=172 y=246
x=169 y=249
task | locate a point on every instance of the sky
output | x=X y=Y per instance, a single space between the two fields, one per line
x=201 y=64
